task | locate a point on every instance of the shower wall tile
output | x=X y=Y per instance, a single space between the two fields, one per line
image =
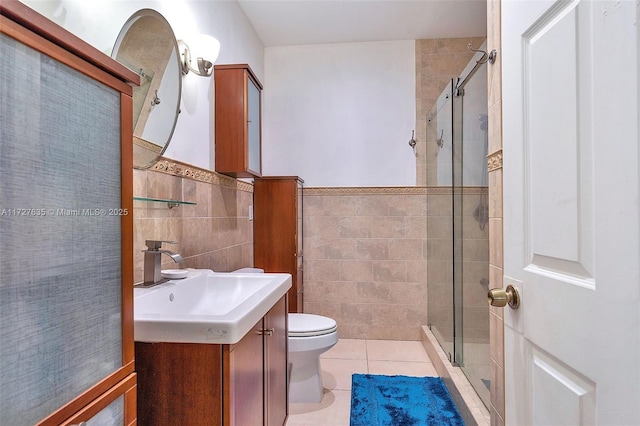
x=494 y=83
x=497 y=332
x=437 y=62
x=440 y=271
x=364 y=260
x=496 y=281
x=495 y=249
x=405 y=249
x=495 y=193
x=373 y=249
x=416 y=271
x=497 y=395
x=214 y=234
x=495 y=127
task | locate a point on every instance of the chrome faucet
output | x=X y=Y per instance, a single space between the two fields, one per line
x=152 y=261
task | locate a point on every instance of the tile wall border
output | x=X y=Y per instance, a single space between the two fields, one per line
x=448 y=190
x=494 y=161
x=368 y=190
x=178 y=168
x=396 y=190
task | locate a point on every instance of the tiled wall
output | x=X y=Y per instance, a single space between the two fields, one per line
x=496 y=321
x=364 y=260
x=214 y=234
x=437 y=62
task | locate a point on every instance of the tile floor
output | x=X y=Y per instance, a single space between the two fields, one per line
x=351 y=356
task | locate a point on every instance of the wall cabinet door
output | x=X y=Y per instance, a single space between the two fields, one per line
x=66 y=298
x=277 y=230
x=238 y=121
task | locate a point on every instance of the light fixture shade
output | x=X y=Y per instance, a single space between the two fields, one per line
x=199 y=54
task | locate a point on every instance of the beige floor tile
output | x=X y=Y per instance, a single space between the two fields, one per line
x=334 y=410
x=389 y=350
x=402 y=368
x=347 y=349
x=336 y=373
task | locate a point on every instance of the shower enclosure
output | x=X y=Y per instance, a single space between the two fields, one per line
x=458 y=225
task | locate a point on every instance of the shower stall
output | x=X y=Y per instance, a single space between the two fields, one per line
x=458 y=225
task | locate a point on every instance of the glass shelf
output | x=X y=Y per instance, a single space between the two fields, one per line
x=170 y=203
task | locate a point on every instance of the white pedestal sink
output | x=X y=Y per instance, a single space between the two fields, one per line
x=206 y=307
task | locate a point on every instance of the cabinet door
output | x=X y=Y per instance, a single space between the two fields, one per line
x=237 y=121
x=62 y=322
x=278 y=230
x=276 y=383
x=179 y=384
x=244 y=380
x=254 y=146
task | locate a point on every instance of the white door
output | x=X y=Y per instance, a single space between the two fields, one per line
x=571 y=232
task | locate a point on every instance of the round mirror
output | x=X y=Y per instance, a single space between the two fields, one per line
x=146 y=44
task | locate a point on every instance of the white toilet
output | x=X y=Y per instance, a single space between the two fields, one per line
x=309 y=337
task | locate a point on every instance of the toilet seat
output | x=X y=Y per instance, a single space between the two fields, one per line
x=307 y=325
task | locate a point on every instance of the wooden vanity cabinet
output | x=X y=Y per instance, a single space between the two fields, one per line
x=66 y=300
x=277 y=231
x=238 y=133
x=208 y=384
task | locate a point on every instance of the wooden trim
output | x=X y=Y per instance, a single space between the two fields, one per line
x=34 y=41
x=236 y=67
x=126 y=388
x=298 y=178
x=32 y=20
x=126 y=164
x=131 y=404
x=66 y=411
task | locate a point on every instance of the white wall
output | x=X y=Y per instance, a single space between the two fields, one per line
x=340 y=114
x=98 y=22
x=335 y=114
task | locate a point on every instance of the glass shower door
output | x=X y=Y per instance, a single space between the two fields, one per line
x=471 y=231
x=440 y=221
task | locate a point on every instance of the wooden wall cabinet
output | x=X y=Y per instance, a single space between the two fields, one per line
x=277 y=231
x=235 y=385
x=66 y=300
x=238 y=132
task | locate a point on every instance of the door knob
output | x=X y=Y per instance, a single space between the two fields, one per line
x=499 y=297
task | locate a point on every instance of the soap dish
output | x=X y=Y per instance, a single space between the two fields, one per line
x=174 y=274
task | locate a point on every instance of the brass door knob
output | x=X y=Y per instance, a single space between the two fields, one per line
x=499 y=297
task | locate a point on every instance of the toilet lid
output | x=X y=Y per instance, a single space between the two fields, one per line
x=305 y=325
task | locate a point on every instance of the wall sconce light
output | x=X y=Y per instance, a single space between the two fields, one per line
x=204 y=49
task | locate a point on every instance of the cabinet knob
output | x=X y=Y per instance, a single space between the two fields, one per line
x=266 y=331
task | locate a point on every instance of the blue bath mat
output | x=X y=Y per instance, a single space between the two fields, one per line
x=401 y=401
